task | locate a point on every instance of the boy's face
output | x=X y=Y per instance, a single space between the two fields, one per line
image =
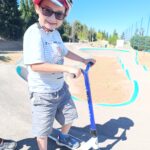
x=50 y=15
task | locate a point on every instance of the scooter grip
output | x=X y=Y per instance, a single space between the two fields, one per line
x=91 y=63
x=72 y=75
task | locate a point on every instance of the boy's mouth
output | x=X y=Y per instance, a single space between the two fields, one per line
x=51 y=23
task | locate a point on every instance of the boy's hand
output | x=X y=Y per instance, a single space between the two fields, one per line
x=86 y=61
x=75 y=72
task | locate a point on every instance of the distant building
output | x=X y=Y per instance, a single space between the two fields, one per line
x=104 y=43
x=120 y=44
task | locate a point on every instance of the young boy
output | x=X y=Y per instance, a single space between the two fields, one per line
x=44 y=54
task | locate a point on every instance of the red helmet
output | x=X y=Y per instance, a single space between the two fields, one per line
x=66 y=3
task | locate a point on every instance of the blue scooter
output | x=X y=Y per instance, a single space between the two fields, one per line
x=93 y=141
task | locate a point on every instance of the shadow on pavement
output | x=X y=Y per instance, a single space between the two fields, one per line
x=27 y=144
x=31 y=144
x=107 y=131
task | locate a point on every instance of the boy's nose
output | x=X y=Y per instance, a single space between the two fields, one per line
x=52 y=16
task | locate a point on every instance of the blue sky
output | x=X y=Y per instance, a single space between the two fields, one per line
x=110 y=14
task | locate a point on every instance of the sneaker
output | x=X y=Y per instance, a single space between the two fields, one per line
x=8 y=145
x=68 y=141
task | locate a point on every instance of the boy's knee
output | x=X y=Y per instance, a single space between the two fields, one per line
x=41 y=138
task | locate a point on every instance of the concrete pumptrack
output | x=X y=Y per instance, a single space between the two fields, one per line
x=125 y=69
x=118 y=127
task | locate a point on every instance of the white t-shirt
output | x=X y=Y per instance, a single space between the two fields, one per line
x=39 y=47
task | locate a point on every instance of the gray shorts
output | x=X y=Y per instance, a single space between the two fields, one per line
x=47 y=107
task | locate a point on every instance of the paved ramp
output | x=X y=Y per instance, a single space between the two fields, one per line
x=119 y=128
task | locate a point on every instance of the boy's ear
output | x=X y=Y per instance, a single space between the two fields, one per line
x=37 y=8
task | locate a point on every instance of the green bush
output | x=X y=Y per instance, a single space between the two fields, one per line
x=140 y=42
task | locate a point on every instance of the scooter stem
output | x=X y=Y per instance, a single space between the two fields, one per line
x=89 y=98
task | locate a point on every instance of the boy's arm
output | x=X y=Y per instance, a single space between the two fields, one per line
x=46 y=67
x=75 y=57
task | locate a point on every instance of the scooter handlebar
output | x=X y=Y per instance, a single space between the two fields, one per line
x=87 y=67
x=83 y=71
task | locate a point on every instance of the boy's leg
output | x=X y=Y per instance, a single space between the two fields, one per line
x=65 y=129
x=1 y=140
x=65 y=115
x=43 y=113
x=42 y=143
x=66 y=112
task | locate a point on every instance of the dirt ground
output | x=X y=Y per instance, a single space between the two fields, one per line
x=109 y=83
x=10 y=57
x=144 y=59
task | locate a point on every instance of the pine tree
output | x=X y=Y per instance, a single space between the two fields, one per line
x=65 y=31
x=28 y=13
x=10 y=22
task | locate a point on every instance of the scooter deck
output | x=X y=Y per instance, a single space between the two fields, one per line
x=54 y=136
x=22 y=71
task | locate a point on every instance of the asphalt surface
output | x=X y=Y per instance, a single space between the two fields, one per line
x=119 y=128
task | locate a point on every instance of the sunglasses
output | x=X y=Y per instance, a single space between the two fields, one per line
x=69 y=1
x=49 y=12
